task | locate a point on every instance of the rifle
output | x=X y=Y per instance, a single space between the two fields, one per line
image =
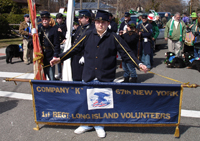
x=138 y=53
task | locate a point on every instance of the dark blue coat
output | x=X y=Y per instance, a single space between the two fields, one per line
x=131 y=38
x=48 y=51
x=100 y=55
x=122 y=25
x=146 y=46
x=77 y=69
x=113 y=25
x=64 y=30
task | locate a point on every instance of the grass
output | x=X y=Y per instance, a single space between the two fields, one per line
x=5 y=42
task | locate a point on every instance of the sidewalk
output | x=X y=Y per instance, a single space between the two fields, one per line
x=2 y=53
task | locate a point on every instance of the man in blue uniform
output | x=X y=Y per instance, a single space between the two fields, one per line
x=77 y=61
x=62 y=29
x=100 y=49
x=145 y=32
x=49 y=40
x=123 y=25
x=113 y=24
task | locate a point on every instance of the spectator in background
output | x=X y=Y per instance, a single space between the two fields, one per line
x=198 y=15
x=25 y=31
x=139 y=20
x=196 y=32
x=185 y=19
x=193 y=18
x=176 y=30
x=158 y=21
x=123 y=25
x=165 y=19
x=155 y=33
x=113 y=24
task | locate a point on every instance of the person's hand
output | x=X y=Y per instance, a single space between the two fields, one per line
x=153 y=39
x=59 y=30
x=54 y=61
x=30 y=34
x=166 y=38
x=82 y=60
x=143 y=68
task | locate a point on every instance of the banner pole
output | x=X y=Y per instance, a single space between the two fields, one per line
x=177 y=132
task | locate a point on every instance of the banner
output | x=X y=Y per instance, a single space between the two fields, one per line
x=108 y=104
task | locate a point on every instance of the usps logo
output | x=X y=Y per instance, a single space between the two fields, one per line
x=100 y=98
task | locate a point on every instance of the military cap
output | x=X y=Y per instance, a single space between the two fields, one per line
x=26 y=15
x=102 y=15
x=131 y=24
x=127 y=14
x=45 y=14
x=76 y=21
x=110 y=14
x=144 y=16
x=84 y=13
x=59 y=15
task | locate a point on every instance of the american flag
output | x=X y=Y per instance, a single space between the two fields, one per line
x=37 y=51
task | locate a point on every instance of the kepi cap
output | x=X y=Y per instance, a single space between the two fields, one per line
x=45 y=14
x=127 y=14
x=26 y=15
x=102 y=15
x=144 y=16
x=84 y=13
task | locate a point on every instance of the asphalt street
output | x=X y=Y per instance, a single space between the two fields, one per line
x=17 y=117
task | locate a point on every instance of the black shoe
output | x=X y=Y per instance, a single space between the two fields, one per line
x=133 y=80
x=126 y=80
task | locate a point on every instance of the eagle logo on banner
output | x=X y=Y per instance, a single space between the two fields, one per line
x=100 y=98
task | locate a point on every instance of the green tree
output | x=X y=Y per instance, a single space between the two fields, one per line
x=9 y=6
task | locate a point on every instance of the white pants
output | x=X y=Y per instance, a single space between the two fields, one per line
x=175 y=46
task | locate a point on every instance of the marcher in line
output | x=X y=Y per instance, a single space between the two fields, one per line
x=146 y=33
x=49 y=40
x=100 y=49
x=123 y=25
x=62 y=29
x=131 y=37
x=77 y=61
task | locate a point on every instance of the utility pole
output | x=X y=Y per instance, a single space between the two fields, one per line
x=98 y=5
x=81 y=4
x=190 y=7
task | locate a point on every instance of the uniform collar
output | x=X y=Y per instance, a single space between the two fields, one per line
x=106 y=33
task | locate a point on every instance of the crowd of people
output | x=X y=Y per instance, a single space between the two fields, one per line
x=97 y=39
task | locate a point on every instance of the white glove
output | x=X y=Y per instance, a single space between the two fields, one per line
x=82 y=61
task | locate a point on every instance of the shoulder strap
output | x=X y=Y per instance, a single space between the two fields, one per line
x=144 y=27
x=52 y=46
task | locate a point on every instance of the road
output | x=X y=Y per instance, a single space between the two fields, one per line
x=17 y=118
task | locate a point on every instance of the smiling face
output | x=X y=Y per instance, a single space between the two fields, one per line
x=45 y=21
x=101 y=26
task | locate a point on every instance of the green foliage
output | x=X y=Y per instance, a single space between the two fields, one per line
x=5 y=29
x=9 y=6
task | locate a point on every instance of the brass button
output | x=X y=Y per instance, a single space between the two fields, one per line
x=97 y=46
x=96 y=57
x=95 y=68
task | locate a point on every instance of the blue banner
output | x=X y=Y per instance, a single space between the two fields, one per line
x=106 y=103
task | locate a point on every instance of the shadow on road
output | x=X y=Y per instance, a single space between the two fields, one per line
x=8 y=105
